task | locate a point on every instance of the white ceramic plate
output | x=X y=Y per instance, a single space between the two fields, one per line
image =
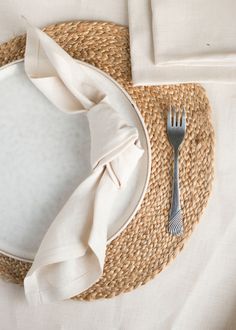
x=44 y=155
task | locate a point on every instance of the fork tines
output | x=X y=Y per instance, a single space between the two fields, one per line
x=176 y=119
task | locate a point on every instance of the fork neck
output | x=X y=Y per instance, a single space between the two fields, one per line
x=176 y=153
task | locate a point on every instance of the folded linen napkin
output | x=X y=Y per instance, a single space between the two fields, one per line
x=182 y=41
x=71 y=255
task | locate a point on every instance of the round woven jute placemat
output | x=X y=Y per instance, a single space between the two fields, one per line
x=145 y=247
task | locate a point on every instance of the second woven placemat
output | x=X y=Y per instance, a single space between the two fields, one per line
x=145 y=247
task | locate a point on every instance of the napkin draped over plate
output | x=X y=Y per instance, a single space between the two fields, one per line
x=72 y=253
x=182 y=41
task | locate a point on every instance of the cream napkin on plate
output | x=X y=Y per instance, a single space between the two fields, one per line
x=72 y=253
x=182 y=41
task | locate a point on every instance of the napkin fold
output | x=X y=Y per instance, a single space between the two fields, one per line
x=72 y=253
x=182 y=41
x=195 y=32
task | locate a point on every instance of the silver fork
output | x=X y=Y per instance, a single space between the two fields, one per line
x=176 y=128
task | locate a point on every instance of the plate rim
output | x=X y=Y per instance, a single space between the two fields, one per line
x=148 y=150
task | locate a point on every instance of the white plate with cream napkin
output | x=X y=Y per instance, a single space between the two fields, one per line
x=182 y=41
x=91 y=160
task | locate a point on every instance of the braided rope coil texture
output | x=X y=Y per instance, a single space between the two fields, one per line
x=145 y=247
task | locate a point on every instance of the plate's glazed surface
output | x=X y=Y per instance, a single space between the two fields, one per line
x=44 y=157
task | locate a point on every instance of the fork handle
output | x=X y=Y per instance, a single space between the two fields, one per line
x=175 y=216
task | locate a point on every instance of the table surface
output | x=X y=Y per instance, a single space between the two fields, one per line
x=198 y=290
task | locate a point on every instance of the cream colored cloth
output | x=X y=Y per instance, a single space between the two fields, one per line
x=182 y=41
x=198 y=289
x=71 y=256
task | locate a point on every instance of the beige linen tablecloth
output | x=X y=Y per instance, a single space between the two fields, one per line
x=198 y=290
